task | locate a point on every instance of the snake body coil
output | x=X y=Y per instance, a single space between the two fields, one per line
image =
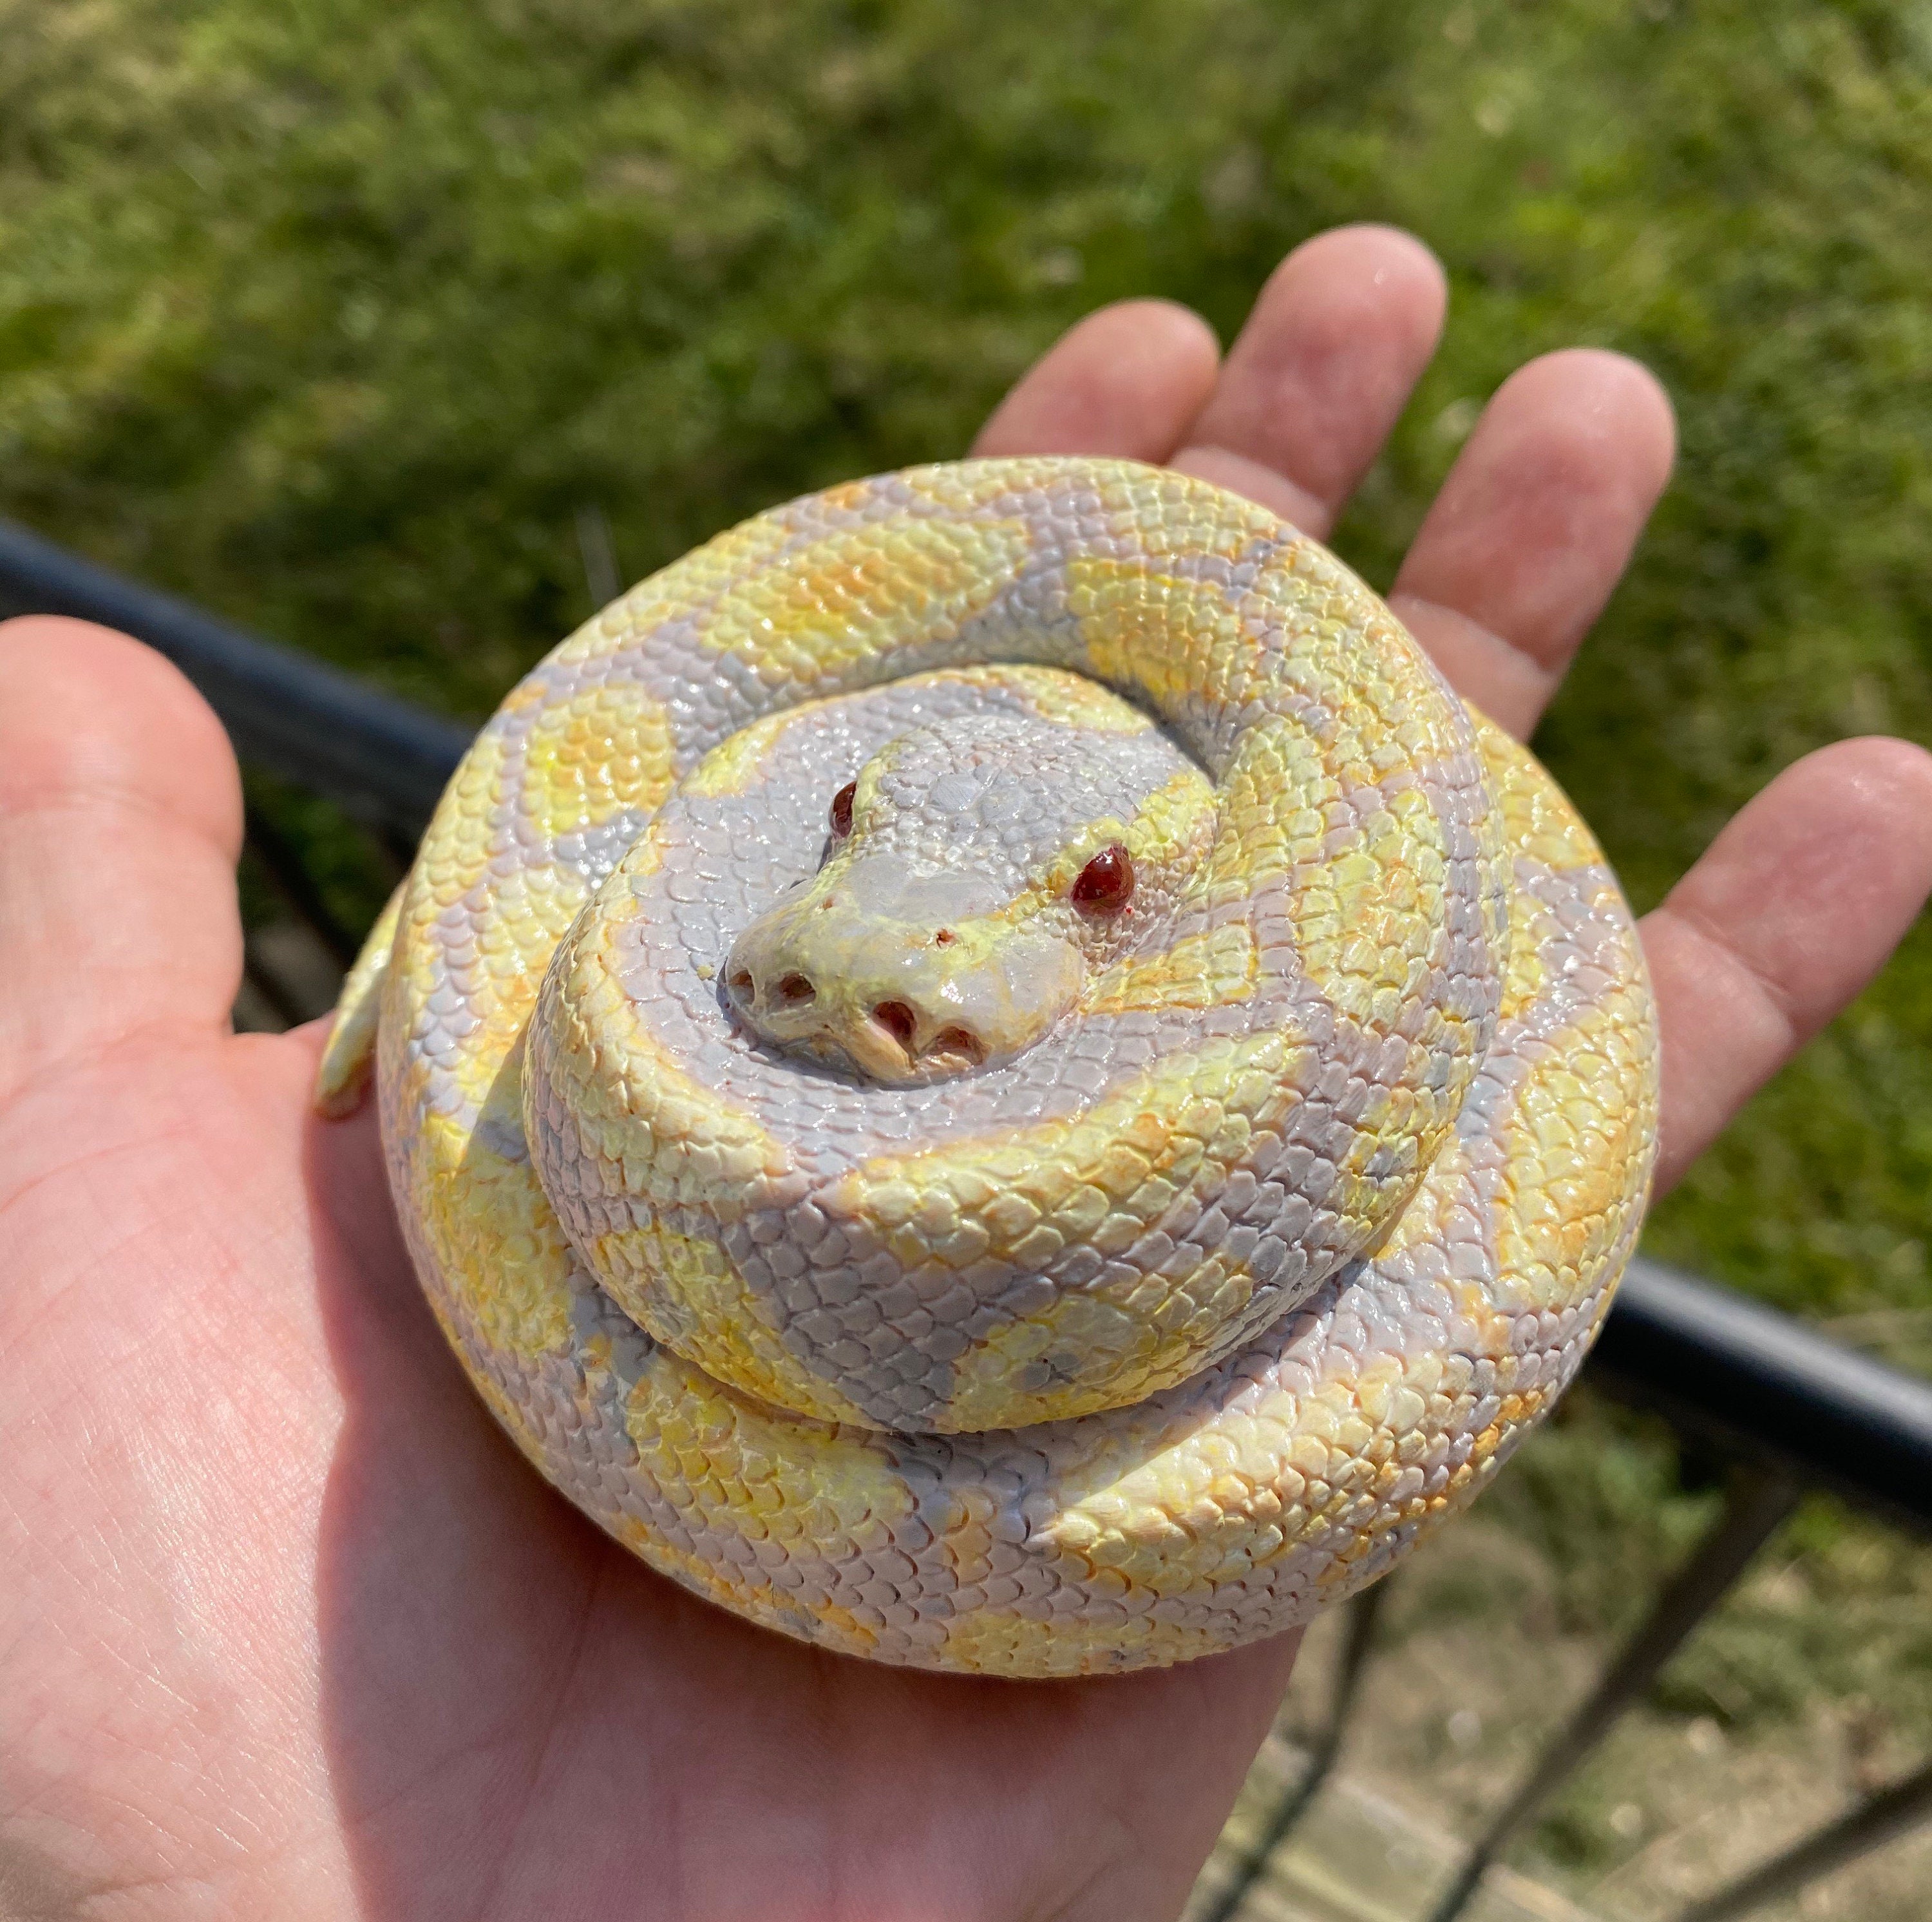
x=990 y=1071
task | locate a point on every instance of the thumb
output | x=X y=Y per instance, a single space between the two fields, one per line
x=120 y=821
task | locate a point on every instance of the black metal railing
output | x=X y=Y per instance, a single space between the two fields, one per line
x=382 y=759
x=1786 y=1409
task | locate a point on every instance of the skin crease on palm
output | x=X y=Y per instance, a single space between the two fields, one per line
x=287 y=1629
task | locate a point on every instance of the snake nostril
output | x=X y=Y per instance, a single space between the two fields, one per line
x=796 y=989
x=741 y=985
x=898 y=1021
x=945 y=938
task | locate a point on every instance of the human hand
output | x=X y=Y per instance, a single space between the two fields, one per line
x=287 y=1629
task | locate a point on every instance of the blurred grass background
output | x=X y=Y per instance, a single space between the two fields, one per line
x=349 y=318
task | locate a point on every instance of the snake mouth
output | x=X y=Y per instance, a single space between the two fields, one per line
x=885 y=1045
x=956 y=1050
x=952 y=1049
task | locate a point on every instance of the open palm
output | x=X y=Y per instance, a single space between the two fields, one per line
x=288 y=1630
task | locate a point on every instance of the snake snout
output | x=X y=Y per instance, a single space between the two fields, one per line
x=904 y=1035
x=900 y=1002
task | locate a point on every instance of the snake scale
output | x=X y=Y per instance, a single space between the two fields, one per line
x=990 y=1071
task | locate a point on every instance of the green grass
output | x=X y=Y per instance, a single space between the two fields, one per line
x=335 y=316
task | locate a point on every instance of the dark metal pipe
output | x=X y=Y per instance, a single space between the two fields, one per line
x=381 y=758
x=1710 y=1357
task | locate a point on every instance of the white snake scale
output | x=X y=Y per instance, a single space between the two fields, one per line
x=901 y=1235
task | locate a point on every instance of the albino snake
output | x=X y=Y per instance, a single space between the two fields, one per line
x=1092 y=1193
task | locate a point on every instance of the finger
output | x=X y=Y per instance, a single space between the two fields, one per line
x=1533 y=527
x=1340 y=335
x=1126 y=381
x=120 y=819
x=1791 y=910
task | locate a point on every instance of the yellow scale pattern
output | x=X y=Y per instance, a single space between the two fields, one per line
x=1151 y=1459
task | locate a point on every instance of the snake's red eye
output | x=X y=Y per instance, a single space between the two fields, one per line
x=1106 y=885
x=841 y=809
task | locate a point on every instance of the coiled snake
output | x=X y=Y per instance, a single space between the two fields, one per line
x=990 y=1071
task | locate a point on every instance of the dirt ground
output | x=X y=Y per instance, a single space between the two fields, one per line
x=1475 y=1669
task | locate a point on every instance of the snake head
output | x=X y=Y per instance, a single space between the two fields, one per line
x=969 y=885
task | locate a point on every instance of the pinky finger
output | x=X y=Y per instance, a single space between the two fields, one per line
x=1791 y=910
